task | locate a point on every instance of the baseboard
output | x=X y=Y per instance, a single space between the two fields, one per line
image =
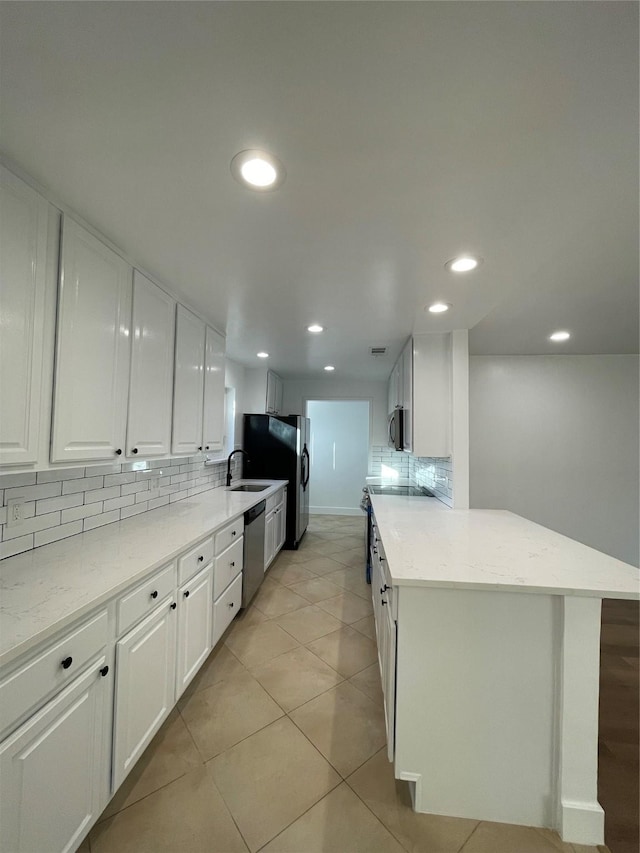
x=335 y=510
x=581 y=823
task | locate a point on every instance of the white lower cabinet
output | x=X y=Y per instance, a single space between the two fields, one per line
x=78 y=711
x=145 y=685
x=226 y=607
x=54 y=770
x=275 y=526
x=195 y=619
x=386 y=634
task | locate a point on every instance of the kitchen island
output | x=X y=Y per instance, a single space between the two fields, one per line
x=489 y=639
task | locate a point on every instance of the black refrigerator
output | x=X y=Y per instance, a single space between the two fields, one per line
x=277 y=448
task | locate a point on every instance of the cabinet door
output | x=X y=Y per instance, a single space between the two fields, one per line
x=270 y=407
x=145 y=686
x=392 y=390
x=151 y=385
x=279 y=394
x=407 y=394
x=195 y=620
x=23 y=246
x=269 y=538
x=389 y=678
x=213 y=413
x=92 y=349
x=188 y=383
x=54 y=770
x=282 y=518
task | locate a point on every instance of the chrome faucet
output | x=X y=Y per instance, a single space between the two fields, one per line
x=233 y=452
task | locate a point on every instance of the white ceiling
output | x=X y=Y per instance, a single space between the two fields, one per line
x=410 y=132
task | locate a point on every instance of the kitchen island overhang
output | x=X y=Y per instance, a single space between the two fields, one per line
x=497 y=664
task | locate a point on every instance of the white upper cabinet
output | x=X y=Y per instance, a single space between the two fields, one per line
x=432 y=395
x=92 y=349
x=188 y=383
x=213 y=410
x=23 y=246
x=264 y=391
x=407 y=394
x=151 y=386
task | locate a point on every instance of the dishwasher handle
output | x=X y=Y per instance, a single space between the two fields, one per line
x=255 y=511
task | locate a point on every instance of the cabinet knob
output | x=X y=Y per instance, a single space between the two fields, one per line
x=135 y=450
x=173 y=606
x=200 y=558
x=104 y=671
x=233 y=563
x=207 y=447
x=186 y=593
x=233 y=533
x=383 y=602
x=119 y=452
x=66 y=663
x=200 y=448
x=384 y=589
x=231 y=604
x=154 y=594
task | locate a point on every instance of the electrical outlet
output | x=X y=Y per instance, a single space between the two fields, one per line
x=15 y=512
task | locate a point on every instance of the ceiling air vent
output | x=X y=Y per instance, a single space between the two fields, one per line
x=378 y=350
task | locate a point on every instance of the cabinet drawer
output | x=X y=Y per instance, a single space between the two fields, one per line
x=194 y=560
x=229 y=534
x=136 y=604
x=228 y=565
x=51 y=669
x=274 y=500
x=226 y=607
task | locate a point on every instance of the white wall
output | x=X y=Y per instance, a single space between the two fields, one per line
x=555 y=439
x=296 y=391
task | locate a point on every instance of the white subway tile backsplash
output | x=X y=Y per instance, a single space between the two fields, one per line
x=118 y=503
x=86 y=484
x=81 y=512
x=134 y=510
x=44 y=537
x=16 y=546
x=33 y=493
x=31 y=525
x=100 y=520
x=98 y=470
x=8 y=481
x=119 y=479
x=132 y=488
x=101 y=494
x=63 y=502
x=60 y=474
x=67 y=501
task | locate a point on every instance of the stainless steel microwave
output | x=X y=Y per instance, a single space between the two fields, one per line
x=396 y=429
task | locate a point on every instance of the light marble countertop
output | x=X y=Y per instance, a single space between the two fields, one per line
x=44 y=590
x=428 y=544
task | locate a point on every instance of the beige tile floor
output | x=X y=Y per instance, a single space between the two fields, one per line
x=279 y=744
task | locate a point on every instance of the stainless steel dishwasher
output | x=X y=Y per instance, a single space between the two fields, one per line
x=253 y=568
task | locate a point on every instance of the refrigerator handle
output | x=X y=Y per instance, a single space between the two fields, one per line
x=305 y=467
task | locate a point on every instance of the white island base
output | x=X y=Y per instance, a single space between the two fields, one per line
x=497 y=706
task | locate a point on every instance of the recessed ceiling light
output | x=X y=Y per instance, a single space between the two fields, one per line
x=439 y=307
x=315 y=328
x=465 y=263
x=329 y=367
x=257 y=169
x=262 y=354
x=560 y=336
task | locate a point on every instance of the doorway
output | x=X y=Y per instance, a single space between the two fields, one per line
x=339 y=454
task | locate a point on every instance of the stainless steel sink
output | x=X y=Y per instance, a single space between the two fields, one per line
x=248 y=487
